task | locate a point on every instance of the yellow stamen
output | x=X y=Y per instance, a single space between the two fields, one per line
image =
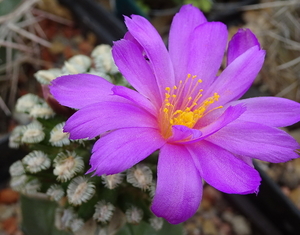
x=183 y=105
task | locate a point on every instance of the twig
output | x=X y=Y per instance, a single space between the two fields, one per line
x=14 y=84
x=29 y=21
x=52 y=17
x=8 y=54
x=285 y=40
x=289 y=64
x=16 y=46
x=28 y=35
x=293 y=20
x=269 y=5
x=25 y=59
x=4 y=107
x=287 y=89
x=24 y=7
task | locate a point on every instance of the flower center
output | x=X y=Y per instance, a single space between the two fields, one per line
x=183 y=105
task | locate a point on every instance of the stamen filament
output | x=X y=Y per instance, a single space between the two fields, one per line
x=182 y=107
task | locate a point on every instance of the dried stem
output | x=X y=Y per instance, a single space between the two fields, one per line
x=269 y=5
x=28 y=35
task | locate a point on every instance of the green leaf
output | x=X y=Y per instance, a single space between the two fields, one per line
x=144 y=228
x=38 y=216
x=7 y=6
x=204 y=5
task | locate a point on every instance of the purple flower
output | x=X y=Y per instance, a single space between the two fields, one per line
x=181 y=107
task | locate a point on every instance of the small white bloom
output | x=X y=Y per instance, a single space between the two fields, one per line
x=26 y=102
x=112 y=181
x=16 y=169
x=76 y=224
x=140 y=176
x=152 y=189
x=103 y=59
x=81 y=60
x=42 y=110
x=67 y=165
x=55 y=192
x=134 y=215
x=101 y=74
x=101 y=49
x=77 y=64
x=63 y=218
x=103 y=211
x=58 y=137
x=33 y=133
x=156 y=222
x=46 y=76
x=15 y=137
x=18 y=182
x=80 y=190
x=31 y=187
x=36 y=161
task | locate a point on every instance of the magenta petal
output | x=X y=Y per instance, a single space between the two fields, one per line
x=93 y=120
x=270 y=111
x=183 y=133
x=231 y=114
x=256 y=141
x=136 y=98
x=236 y=79
x=179 y=185
x=135 y=68
x=154 y=48
x=77 y=91
x=183 y=25
x=123 y=148
x=243 y=40
x=224 y=171
x=205 y=52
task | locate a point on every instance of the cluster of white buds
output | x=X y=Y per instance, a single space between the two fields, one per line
x=112 y=181
x=55 y=192
x=80 y=190
x=67 y=165
x=103 y=59
x=134 y=215
x=77 y=64
x=34 y=106
x=46 y=76
x=17 y=169
x=36 y=161
x=156 y=222
x=140 y=176
x=32 y=133
x=67 y=219
x=103 y=211
x=58 y=137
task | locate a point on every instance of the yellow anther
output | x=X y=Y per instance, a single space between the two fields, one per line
x=183 y=105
